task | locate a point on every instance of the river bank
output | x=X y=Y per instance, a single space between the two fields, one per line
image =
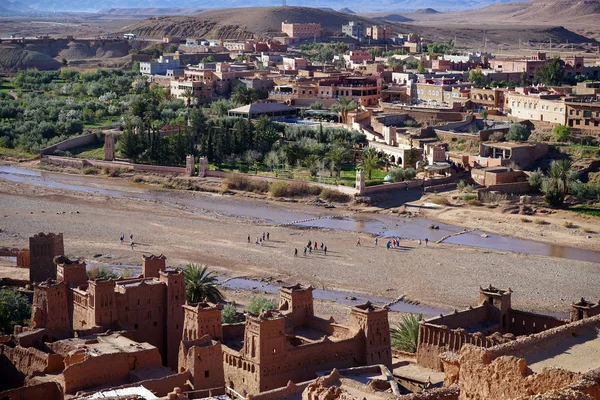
x=441 y=275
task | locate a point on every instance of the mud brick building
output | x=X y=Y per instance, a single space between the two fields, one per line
x=43 y=248
x=291 y=343
x=149 y=306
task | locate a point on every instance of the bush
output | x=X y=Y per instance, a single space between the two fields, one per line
x=535 y=179
x=334 y=196
x=541 y=222
x=260 y=304
x=526 y=220
x=518 y=132
x=562 y=133
x=14 y=310
x=468 y=197
x=570 y=225
x=461 y=186
x=553 y=196
x=440 y=200
x=241 y=182
x=89 y=171
x=278 y=189
x=489 y=197
x=229 y=314
x=101 y=273
x=474 y=202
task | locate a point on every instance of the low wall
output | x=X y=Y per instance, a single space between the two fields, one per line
x=515 y=187
x=70 y=144
x=414 y=184
x=159 y=168
x=543 y=341
x=525 y=323
x=46 y=391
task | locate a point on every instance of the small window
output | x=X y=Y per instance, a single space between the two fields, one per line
x=135 y=326
x=206 y=374
x=155 y=323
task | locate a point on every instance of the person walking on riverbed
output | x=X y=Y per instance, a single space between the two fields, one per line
x=295 y=252
x=325 y=250
x=358 y=242
x=122 y=237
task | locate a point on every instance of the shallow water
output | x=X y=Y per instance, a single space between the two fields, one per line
x=230 y=207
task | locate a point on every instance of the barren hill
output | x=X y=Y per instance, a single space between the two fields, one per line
x=262 y=22
x=13 y=58
x=241 y=23
x=148 y=11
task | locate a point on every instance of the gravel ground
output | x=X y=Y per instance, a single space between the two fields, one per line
x=441 y=275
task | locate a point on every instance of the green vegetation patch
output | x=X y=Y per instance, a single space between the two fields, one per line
x=588 y=210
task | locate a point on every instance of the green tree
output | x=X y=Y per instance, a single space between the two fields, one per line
x=421 y=67
x=525 y=81
x=14 y=310
x=477 y=77
x=562 y=133
x=535 y=179
x=129 y=144
x=518 y=132
x=561 y=170
x=188 y=95
x=336 y=156
x=229 y=314
x=405 y=335
x=484 y=114
x=201 y=284
x=344 y=106
x=370 y=161
x=258 y=305
x=551 y=73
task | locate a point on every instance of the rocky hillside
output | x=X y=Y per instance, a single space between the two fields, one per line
x=242 y=23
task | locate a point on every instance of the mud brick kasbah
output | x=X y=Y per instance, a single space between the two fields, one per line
x=128 y=334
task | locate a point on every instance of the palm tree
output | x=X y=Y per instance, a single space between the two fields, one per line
x=385 y=158
x=201 y=284
x=188 y=95
x=405 y=335
x=561 y=170
x=343 y=106
x=484 y=114
x=336 y=157
x=370 y=161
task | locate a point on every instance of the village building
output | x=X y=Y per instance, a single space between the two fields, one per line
x=301 y=31
x=537 y=105
x=270 y=110
x=291 y=343
x=583 y=114
x=365 y=90
x=163 y=66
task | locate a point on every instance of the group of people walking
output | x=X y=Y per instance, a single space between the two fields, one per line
x=131 y=243
x=260 y=239
x=310 y=247
x=395 y=242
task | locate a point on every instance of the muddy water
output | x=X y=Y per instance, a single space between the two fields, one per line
x=229 y=207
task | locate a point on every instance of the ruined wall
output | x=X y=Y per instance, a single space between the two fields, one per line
x=482 y=376
x=18 y=362
x=43 y=248
x=46 y=391
x=50 y=310
x=525 y=323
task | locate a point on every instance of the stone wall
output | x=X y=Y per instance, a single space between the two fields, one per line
x=18 y=362
x=72 y=143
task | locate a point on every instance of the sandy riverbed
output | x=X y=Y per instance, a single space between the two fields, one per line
x=441 y=275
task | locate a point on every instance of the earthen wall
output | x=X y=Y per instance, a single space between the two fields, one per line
x=525 y=323
x=46 y=391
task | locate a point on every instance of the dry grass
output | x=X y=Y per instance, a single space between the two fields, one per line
x=474 y=202
x=541 y=222
x=440 y=200
x=569 y=225
x=526 y=220
x=334 y=195
x=588 y=230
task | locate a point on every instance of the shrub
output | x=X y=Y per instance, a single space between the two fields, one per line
x=518 y=132
x=89 y=171
x=497 y=137
x=441 y=200
x=474 y=202
x=241 y=182
x=101 y=273
x=526 y=220
x=229 y=314
x=334 y=196
x=569 y=225
x=468 y=197
x=14 y=310
x=298 y=188
x=541 y=222
x=260 y=304
x=562 y=133
x=489 y=197
x=278 y=189
x=535 y=179
x=405 y=335
x=461 y=186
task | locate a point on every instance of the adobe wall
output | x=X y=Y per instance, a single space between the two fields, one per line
x=104 y=369
x=69 y=144
x=232 y=331
x=484 y=376
x=61 y=161
x=525 y=323
x=159 y=168
x=46 y=391
x=515 y=187
x=461 y=319
x=29 y=338
x=18 y=362
x=544 y=340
